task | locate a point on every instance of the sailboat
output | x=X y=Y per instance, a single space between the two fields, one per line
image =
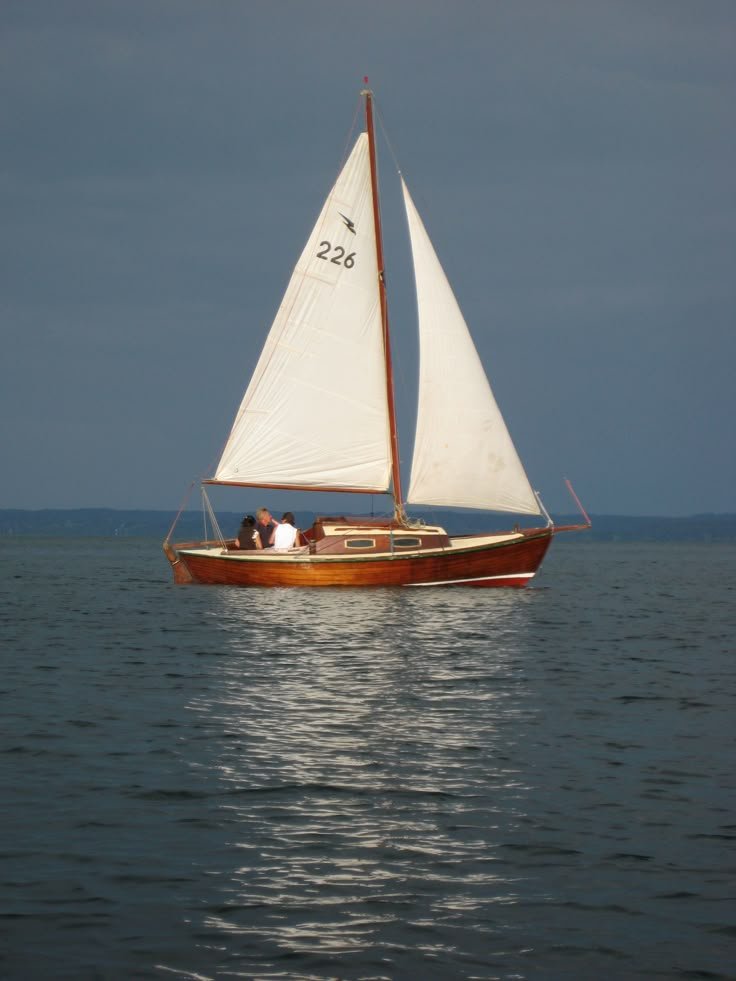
x=319 y=415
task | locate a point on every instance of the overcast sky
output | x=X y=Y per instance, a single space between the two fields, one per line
x=163 y=162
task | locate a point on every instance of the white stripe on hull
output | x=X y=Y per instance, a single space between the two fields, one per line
x=457 y=582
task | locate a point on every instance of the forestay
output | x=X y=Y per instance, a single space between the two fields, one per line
x=463 y=454
x=315 y=413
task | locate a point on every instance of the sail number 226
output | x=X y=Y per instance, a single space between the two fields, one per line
x=338 y=255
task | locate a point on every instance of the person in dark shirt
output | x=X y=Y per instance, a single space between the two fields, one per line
x=248 y=537
x=265 y=526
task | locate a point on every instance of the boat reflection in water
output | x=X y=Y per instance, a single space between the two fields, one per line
x=363 y=747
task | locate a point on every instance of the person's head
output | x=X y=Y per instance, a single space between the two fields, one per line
x=288 y=517
x=263 y=515
x=249 y=521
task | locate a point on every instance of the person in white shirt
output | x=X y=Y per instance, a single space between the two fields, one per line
x=284 y=535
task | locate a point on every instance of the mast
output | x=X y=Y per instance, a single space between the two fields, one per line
x=395 y=468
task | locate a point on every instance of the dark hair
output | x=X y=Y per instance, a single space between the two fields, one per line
x=288 y=516
x=249 y=520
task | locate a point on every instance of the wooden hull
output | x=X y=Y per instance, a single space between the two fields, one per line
x=471 y=560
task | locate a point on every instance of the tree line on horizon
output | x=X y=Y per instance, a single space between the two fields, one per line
x=107 y=522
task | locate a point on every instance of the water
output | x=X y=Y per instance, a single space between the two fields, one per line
x=204 y=782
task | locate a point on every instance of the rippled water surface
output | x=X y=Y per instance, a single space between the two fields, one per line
x=205 y=782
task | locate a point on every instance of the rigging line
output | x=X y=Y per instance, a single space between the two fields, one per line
x=183 y=505
x=358 y=107
x=218 y=456
x=385 y=136
x=577 y=501
x=205 y=532
x=207 y=509
x=398 y=361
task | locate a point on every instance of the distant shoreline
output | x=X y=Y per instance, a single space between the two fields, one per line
x=109 y=522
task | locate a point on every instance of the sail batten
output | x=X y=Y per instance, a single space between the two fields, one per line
x=463 y=453
x=314 y=413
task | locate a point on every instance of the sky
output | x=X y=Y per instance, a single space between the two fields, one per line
x=163 y=162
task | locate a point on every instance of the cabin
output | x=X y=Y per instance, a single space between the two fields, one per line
x=364 y=536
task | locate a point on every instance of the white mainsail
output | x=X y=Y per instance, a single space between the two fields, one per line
x=314 y=414
x=463 y=454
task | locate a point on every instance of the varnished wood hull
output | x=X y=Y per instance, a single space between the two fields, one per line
x=495 y=561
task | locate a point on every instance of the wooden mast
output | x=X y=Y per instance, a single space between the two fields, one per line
x=398 y=498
